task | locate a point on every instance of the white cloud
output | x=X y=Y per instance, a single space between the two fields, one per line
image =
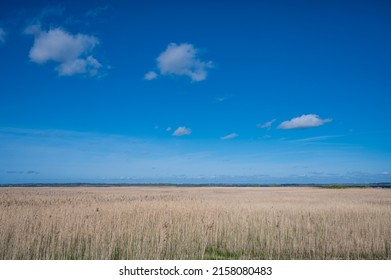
x=150 y=76
x=71 y=52
x=229 y=136
x=182 y=130
x=304 y=121
x=168 y=129
x=2 y=35
x=182 y=60
x=266 y=125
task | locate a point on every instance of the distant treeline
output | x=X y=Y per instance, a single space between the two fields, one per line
x=329 y=186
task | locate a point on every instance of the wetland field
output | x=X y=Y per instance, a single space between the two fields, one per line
x=171 y=222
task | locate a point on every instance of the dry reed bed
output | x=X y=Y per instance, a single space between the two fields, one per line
x=194 y=223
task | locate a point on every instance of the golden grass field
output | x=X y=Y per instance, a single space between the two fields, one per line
x=194 y=223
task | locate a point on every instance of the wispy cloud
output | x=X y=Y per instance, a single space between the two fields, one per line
x=229 y=136
x=72 y=52
x=14 y=172
x=266 y=125
x=182 y=60
x=223 y=98
x=181 y=131
x=56 y=10
x=315 y=139
x=168 y=129
x=22 y=172
x=47 y=13
x=94 y=157
x=150 y=76
x=96 y=11
x=304 y=121
x=2 y=35
x=82 y=154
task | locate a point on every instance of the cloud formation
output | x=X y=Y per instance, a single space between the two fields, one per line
x=182 y=60
x=181 y=131
x=229 y=136
x=96 y=11
x=223 y=98
x=266 y=125
x=50 y=11
x=304 y=121
x=71 y=52
x=2 y=35
x=150 y=76
x=22 y=172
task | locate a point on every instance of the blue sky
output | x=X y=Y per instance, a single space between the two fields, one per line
x=195 y=91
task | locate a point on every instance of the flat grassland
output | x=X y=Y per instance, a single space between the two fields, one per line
x=194 y=223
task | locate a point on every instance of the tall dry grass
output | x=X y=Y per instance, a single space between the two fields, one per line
x=194 y=223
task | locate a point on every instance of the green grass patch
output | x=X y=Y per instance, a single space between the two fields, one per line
x=218 y=253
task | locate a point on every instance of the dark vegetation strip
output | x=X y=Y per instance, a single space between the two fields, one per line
x=327 y=186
